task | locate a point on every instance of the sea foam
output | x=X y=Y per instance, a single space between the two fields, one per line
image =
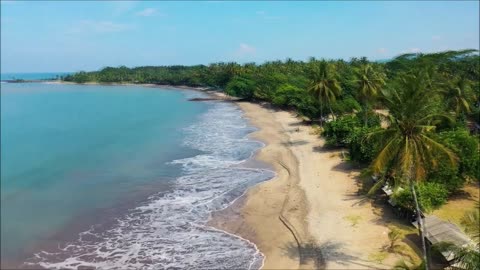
x=170 y=231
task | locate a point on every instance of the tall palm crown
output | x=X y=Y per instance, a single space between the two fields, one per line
x=369 y=81
x=324 y=84
x=409 y=149
x=458 y=95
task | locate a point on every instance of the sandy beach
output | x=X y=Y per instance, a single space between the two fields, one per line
x=309 y=216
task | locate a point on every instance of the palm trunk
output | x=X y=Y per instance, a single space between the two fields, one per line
x=321 y=114
x=421 y=228
x=331 y=111
x=365 y=113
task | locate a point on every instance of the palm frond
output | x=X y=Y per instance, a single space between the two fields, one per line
x=440 y=149
x=386 y=155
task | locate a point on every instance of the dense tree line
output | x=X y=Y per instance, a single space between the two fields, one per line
x=435 y=94
x=414 y=91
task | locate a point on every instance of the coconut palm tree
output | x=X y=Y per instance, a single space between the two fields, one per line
x=368 y=83
x=408 y=149
x=324 y=84
x=458 y=95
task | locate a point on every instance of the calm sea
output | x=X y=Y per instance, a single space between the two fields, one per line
x=32 y=76
x=121 y=177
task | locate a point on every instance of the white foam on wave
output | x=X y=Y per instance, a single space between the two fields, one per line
x=170 y=231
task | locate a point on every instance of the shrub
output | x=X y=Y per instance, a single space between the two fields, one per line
x=287 y=95
x=466 y=147
x=448 y=176
x=346 y=105
x=362 y=149
x=291 y=96
x=430 y=196
x=241 y=87
x=373 y=119
x=337 y=132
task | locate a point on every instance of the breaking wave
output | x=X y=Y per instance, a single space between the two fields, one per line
x=170 y=230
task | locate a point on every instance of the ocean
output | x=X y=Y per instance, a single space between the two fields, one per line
x=121 y=177
x=32 y=76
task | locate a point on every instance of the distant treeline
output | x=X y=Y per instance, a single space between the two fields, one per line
x=286 y=83
x=428 y=101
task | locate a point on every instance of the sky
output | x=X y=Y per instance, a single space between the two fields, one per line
x=68 y=36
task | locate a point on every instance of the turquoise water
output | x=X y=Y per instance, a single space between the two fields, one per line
x=121 y=177
x=32 y=76
x=68 y=149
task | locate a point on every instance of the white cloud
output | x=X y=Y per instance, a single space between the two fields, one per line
x=147 y=12
x=245 y=49
x=89 y=26
x=436 y=38
x=381 y=51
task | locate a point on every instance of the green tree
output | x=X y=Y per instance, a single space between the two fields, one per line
x=368 y=84
x=458 y=95
x=408 y=147
x=324 y=85
x=241 y=86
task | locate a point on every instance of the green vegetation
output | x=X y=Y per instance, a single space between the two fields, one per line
x=324 y=84
x=431 y=196
x=411 y=120
x=429 y=102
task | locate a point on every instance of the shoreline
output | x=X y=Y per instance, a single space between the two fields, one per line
x=213 y=94
x=131 y=84
x=310 y=215
x=271 y=214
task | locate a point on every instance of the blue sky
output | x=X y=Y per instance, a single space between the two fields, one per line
x=71 y=36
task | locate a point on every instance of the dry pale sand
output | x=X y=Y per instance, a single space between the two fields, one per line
x=310 y=215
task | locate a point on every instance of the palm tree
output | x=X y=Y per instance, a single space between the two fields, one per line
x=368 y=82
x=458 y=95
x=408 y=149
x=324 y=84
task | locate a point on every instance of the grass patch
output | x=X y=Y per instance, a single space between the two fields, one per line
x=456 y=207
x=353 y=219
x=378 y=257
